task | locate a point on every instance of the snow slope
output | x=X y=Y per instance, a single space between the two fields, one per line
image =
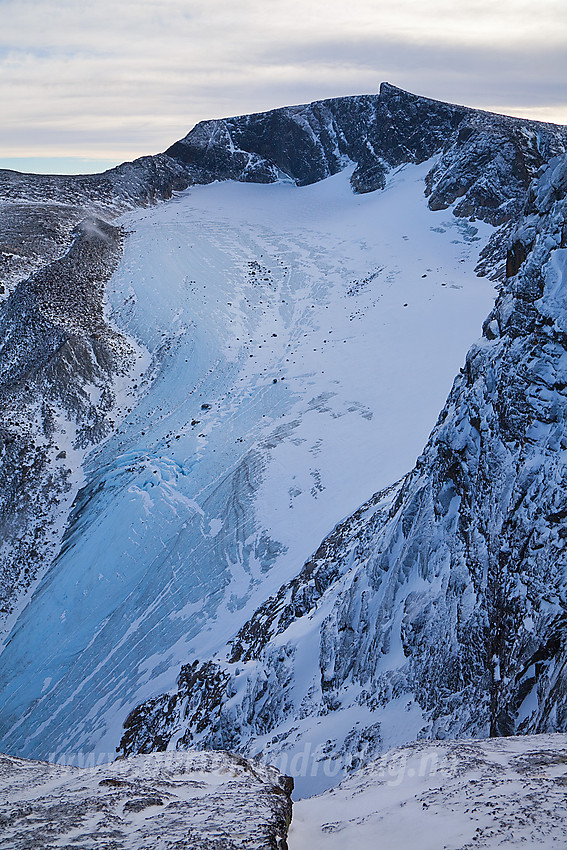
x=453 y=795
x=302 y=342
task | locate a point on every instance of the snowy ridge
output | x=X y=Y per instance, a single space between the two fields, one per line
x=487 y=163
x=487 y=160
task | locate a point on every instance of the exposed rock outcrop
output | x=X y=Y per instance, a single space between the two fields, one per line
x=172 y=800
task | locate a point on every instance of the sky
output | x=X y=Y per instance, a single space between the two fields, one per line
x=84 y=86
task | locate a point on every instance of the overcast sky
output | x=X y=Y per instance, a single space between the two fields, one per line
x=108 y=81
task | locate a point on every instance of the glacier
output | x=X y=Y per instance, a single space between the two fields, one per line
x=436 y=610
x=283 y=323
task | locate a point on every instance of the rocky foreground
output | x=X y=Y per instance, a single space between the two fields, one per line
x=434 y=795
x=191 y=800
x=445 y=795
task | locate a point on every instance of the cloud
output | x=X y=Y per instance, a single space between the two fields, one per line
x=476 y=73
x=121 y=79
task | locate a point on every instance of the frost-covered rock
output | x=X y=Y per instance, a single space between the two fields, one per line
x=168 y=800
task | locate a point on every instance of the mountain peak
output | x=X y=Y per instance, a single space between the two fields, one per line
x=389 y=90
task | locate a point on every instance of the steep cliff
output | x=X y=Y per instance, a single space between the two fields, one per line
x=487 y=160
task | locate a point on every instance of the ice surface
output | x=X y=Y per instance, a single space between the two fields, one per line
x=302 y=342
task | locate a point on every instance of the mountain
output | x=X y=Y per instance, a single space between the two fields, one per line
x=201 y=377
x=438 y=609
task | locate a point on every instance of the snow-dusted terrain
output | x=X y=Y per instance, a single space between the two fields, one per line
x=302 y=342
x=452 y=795
x=173 y=801
x=504 y=792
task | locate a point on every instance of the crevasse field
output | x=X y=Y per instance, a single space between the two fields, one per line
x=296 y=345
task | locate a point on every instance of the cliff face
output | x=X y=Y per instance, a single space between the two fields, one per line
x=473 y=556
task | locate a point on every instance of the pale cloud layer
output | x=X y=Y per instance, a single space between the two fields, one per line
x=119 y=79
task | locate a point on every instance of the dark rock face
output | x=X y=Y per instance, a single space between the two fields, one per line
x=517 y=253
x=171 y=800
x=462 y=566
x=487 y=160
